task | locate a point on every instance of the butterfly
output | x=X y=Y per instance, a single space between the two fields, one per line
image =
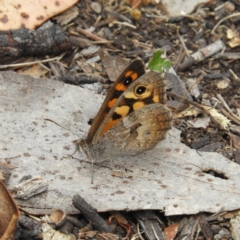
x=133 y=117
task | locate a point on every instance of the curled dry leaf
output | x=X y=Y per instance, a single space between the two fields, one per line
x=171 y=231
x=122 y=222
x=15 y=14
x=9 y=213
x=57 y=217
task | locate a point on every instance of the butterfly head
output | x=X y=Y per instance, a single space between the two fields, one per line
x=84 y=147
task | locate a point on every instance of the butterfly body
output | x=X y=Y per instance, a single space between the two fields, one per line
x=131 y=120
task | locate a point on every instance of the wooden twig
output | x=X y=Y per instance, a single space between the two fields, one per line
x=228 y=112
x=30 y=63
x=236 y=79
x=202 y=54
x=224 y=19
x=183 y=43
x=91 y=215
x=204 y=110
x=48 y=39
x=124 y=24
x=95 y=37
x=189 y=89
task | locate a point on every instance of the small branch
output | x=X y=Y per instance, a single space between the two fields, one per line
x=30 y=63
x=226 y=18
x=91 y=215
x=202 y=54
x=124 y=24
x=183 y=43
x=201 y=108
x=228 y=112
x=95 y=37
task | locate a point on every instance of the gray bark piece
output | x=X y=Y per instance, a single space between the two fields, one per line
x=170 y=177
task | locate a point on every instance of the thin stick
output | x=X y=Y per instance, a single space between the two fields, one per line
x=189 y=89
x=225 y=18
x=124 y=24
x=228 y=112
x=30 y=63
x=235 y=77
x=183 y=43
x=195 y=105
x=94 y=37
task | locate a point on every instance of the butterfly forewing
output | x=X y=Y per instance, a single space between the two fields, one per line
x=135 y=70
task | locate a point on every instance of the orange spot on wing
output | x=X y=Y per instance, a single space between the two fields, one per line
x=122 y=111
x=131 y=74
x=128 y=73
x=112 y=102
x=109 y=125
x=138 y=105
x=121 y=87
x=134 y=76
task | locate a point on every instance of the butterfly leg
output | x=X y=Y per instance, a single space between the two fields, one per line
x=92 y=170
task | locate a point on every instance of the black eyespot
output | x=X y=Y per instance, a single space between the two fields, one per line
x=140 y=90
x=127 y=81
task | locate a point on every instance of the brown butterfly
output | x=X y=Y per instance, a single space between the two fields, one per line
x=133 y=117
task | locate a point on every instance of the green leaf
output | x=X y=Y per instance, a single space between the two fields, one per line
x=158 y=63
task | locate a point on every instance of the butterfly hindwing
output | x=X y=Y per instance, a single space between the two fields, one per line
x=139 y=131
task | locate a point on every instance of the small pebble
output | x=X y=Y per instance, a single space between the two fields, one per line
x=230 y=7
x=136 y=14
x=223 y=84
x=96 y=7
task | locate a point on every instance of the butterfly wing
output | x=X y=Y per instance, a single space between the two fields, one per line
x=148 y=89
x=141 y=130
x=127 y=77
